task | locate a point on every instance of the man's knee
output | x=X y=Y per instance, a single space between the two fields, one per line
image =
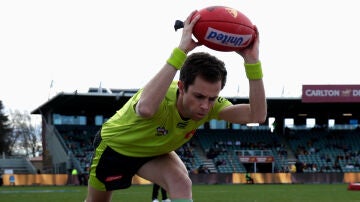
x=95 y=195
x=180 y=187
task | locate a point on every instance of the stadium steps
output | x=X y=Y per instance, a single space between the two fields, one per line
x=202 y=160
x=210 y=165
x=291 y=158
x=290 y=154
x=201 y=156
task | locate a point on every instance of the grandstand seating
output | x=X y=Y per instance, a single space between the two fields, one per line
x=326 y=148
x=223 y=145
x=218 y=149
x=78 y=140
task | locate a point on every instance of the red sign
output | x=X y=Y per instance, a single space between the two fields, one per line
x=330 y=93
x=257 y=159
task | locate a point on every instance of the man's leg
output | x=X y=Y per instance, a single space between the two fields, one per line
x=163 y=194
x=155 y=191
x=169 y=172
x=98 y=196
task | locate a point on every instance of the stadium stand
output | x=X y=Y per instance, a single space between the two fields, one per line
x=220 y=150
x=227 y=146
x=329 y=150
x=78 y=140
x=17 y=165
x=70 y=122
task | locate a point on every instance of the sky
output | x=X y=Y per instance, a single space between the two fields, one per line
x=51 y=46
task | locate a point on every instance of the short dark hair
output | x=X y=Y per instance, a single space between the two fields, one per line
x=204 y=65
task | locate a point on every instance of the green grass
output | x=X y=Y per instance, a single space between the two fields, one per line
x=201 y=193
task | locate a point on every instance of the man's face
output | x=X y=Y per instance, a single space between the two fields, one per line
x=199 y=98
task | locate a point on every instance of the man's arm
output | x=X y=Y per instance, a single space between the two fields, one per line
x=256 y=110
x=155 y=90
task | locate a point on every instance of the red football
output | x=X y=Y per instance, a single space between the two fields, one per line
x=224 y=29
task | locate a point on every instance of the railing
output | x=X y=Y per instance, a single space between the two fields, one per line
x=255 y=152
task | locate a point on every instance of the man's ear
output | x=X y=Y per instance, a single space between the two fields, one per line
x=181 y=87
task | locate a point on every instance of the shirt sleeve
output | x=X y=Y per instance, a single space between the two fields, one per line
x=219 y=105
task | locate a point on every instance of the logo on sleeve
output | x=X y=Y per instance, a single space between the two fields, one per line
x=161 y=131
x=221 y=99
x=182 y=124
x=190 y=134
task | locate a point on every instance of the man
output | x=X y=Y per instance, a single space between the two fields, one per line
x=155 y=194
x=249 y=179
x=142 y=136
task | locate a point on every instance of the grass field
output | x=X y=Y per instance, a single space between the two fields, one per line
x=201 y=193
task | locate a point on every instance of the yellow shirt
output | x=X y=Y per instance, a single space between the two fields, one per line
x=74 y=172
x=293 y=168
x=132 y=135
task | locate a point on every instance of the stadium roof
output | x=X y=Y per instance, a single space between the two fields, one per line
x=93 y=102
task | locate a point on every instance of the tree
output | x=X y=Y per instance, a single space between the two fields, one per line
x=25 y=135
x=5 y=132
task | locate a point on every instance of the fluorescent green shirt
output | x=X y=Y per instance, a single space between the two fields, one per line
x=132 y=135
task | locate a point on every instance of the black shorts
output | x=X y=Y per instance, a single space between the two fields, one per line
x=111 y=169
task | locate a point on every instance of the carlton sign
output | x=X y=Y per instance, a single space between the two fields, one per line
x=330 y=93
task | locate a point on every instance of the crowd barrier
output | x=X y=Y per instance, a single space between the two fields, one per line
x=213 y=178
x=36 y=179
